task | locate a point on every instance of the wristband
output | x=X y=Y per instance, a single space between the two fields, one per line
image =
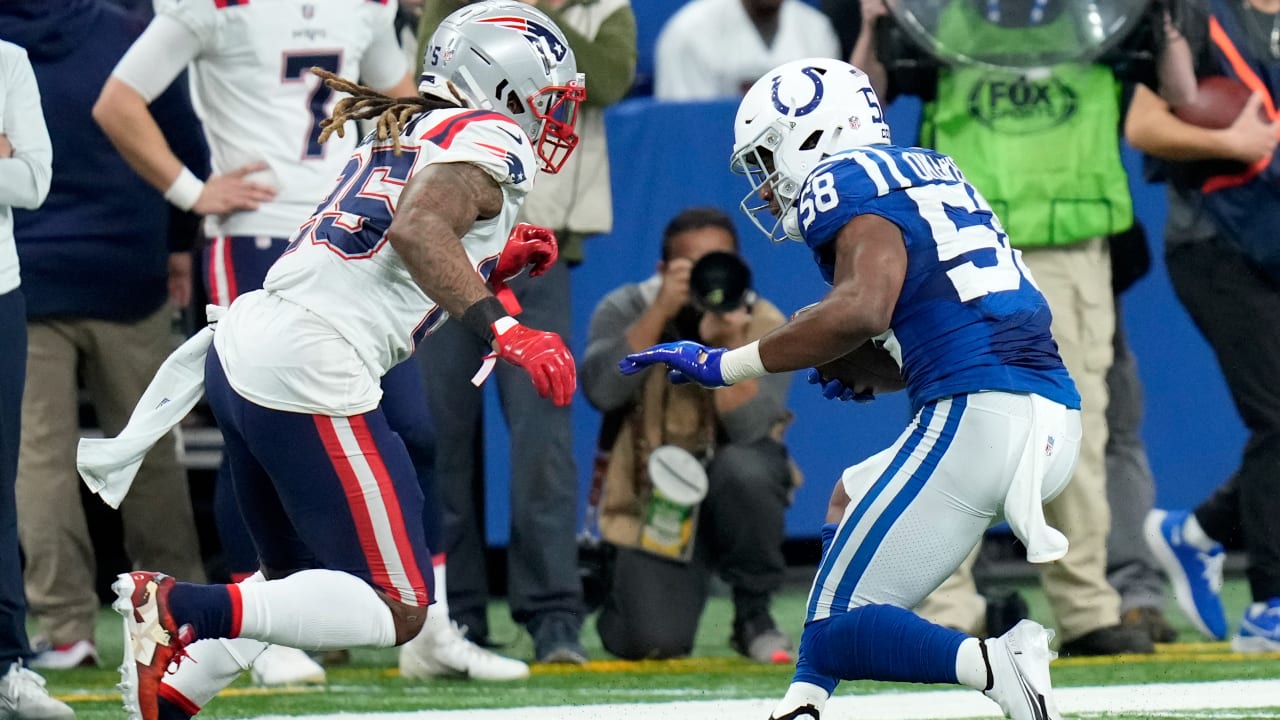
x=185 y=190
x=480 y=317
x=742 y=364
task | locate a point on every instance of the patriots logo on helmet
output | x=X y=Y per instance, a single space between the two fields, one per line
x=533 y=32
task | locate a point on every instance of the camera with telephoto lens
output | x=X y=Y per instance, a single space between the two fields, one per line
x=719 y=282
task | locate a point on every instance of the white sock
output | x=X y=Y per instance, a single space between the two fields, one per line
x=799 y=695
x=438 y=622
x=438 y=617
x=211 y=665
x=1196 y=536
x=316 y=610
x=972 y=668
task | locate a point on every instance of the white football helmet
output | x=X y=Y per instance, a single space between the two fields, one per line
x=510 y=58
x=789 y=121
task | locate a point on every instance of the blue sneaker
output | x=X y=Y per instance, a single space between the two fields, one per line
x=1196 y=575
x=1260 y=628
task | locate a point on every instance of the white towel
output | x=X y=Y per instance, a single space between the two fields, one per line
x=108 y=465
x=1024 y=502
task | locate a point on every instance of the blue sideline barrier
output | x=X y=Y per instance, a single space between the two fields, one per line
x=667 y=157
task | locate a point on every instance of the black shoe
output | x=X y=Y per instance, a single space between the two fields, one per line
x=1151 y=621
x=759 y=639
x=1114 y=640
x=800 y=713
x=555 y=638
x=1004 y=610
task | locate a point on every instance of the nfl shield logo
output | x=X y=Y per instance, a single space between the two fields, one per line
x=308 y=11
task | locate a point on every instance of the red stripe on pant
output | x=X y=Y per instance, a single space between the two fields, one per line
x=229 y=271
x=237 y=610
x=355 y=500
x=392 y=504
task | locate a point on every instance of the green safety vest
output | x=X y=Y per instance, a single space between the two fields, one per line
x=1042 y=147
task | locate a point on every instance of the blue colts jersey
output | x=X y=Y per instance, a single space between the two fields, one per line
x=970 y=317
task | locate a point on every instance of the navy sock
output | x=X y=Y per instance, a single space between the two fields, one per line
x=805 y=671
x=207 y=608
x=169 y=711
x=881 y=642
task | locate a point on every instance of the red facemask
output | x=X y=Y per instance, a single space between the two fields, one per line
x=556 y=138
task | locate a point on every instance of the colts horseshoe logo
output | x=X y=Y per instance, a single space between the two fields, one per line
x=812 y=74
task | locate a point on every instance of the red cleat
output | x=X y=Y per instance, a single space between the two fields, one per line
x=153 y=641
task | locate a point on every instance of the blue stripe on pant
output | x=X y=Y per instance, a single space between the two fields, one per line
x=325 y=492
x=13 y=375
x=935 y=447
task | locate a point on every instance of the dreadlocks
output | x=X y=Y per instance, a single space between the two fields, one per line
x=364 y=102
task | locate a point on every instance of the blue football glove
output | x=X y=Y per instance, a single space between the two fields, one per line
x=836 y=390
x=686 y=361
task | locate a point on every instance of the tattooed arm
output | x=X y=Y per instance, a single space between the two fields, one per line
x=437 y=208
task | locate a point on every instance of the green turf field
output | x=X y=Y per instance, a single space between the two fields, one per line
x=370 y=683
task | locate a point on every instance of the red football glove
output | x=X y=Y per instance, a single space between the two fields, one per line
x=528 y=246
x=546 y=359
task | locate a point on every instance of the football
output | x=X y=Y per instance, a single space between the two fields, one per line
x=867 y=367
x=1219 y=100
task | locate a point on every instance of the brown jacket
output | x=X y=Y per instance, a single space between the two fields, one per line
x=664 y=414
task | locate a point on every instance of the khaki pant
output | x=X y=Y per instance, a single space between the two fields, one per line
x=1077 y=283
x=117 y=360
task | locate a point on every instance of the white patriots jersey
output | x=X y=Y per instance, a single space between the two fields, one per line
x=260 y=102
x=340 y=265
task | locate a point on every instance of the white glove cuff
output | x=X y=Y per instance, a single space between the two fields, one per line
x=185 y=190
x=742 y=364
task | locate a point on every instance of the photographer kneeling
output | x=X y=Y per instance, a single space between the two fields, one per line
x=696 y=481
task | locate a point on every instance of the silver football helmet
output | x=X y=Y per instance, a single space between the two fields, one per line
x=790 y=120
x=510 y=58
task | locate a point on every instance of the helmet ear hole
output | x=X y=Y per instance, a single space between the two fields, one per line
x=512 y=101
x=812 y=141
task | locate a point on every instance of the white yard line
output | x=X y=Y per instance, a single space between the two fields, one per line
x=928 y=705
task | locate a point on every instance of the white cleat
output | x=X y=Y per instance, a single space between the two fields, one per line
x=23 y=697
x=446 y=652
x=279 y=666
x=81 y=653
x=803 y=701
x=1019 y=662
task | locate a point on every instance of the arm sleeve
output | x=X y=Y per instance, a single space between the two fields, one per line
x=158 y=56
x=25 y=177
x=609 y=60
x=383 y=64
x=605 y=387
